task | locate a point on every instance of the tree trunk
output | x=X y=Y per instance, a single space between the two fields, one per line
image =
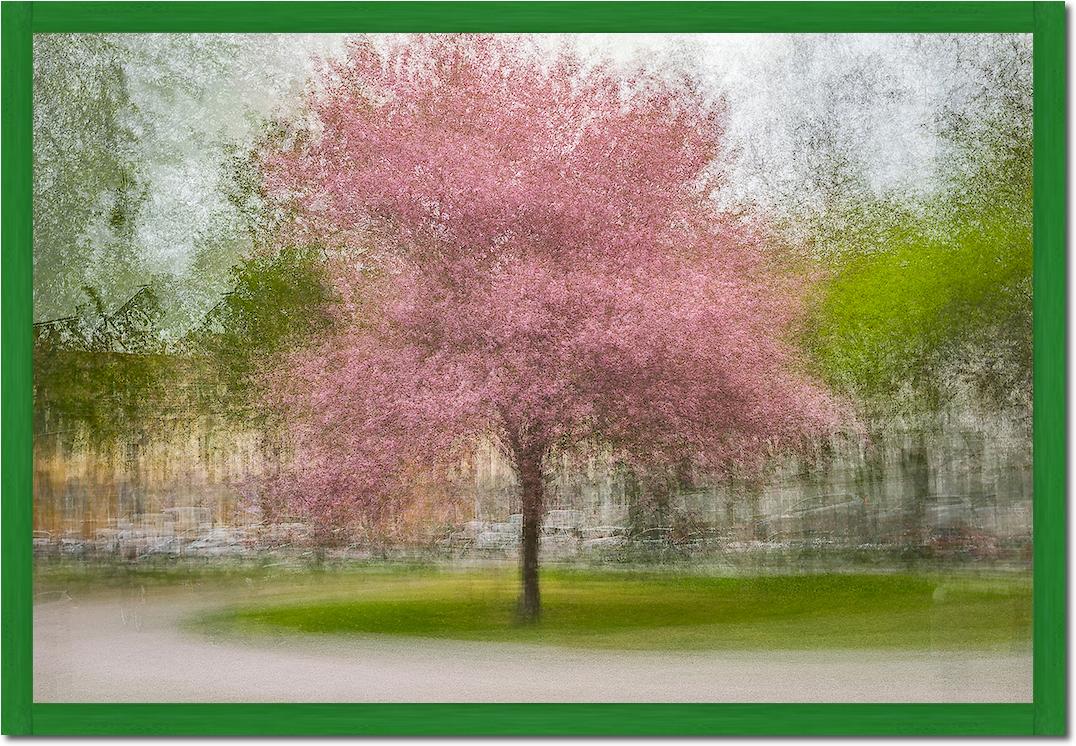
x=915 y=474
x=530 y=473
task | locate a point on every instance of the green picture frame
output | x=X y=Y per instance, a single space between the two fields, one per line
x=1046 y=715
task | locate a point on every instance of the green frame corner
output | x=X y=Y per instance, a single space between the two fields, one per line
x=1046 y=715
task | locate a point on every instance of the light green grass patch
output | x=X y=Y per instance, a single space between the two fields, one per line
x=660 y=612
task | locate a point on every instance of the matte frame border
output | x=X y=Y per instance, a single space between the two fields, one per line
x=1046 y=715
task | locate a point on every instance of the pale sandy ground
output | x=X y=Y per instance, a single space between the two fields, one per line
x=129 y=648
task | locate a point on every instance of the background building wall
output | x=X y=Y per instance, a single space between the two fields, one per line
x=909 y=482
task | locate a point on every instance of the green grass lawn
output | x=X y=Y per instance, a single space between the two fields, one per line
x=639 y=611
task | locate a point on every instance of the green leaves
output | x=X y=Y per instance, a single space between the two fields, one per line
x=937 y=300
x=278 y=300
x=926 y=300
x=105 y=371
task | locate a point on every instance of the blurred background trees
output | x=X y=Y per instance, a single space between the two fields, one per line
x=896 y=173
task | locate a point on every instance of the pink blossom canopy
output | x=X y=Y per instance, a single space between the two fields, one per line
x=528 y=253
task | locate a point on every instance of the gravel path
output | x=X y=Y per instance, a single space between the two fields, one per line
x=130 y=648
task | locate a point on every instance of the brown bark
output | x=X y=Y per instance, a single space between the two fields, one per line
x=529 y=462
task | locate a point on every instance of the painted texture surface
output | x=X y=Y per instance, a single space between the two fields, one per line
x=749 y=303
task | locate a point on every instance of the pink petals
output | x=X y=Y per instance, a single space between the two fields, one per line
x=544 y=264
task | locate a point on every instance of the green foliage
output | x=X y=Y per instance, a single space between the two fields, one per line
x=103 y=372
x=924 y=301
x=110 y=394
x=110 y=375
x=900 y=317
x=918 y=304
x=278 y=300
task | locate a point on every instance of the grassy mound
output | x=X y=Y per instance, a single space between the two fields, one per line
x=660 y=612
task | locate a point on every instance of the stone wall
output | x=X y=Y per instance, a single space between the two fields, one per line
x=972 y=472
x=905 y=482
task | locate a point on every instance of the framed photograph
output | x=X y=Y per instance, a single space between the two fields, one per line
x=533 y=368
